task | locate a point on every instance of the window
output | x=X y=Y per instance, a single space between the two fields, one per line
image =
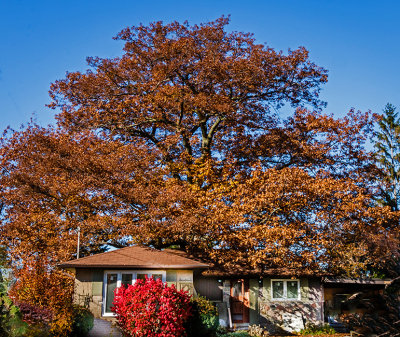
x=141 y=276
x=126 y=279
x=285 y=289
x=114 y=279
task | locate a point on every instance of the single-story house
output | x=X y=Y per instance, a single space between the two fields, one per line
x=275 y=299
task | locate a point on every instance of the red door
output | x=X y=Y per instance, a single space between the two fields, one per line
x=240 y=301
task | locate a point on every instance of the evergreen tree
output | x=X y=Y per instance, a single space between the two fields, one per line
x=388 y=157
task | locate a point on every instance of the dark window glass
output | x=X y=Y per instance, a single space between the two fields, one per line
x=157 y=276
x=126 y=279
x=141 y=276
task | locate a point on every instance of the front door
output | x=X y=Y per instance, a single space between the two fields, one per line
x=240 y=301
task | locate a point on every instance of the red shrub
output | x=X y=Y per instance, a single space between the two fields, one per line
x=32 y=314
x=150 y=308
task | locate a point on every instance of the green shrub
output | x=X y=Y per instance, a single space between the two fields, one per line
x=36 y=330
x=83 y=321
x=317 y=329
x=11 y=323
x=204 y=321
x=223 y=332
x=239 y=334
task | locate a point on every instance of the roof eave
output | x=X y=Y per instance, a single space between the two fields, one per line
x=361 y=281
x=113 y=266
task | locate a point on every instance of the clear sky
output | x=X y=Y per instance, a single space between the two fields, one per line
x=358 y=41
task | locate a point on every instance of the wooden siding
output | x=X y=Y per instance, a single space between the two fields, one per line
x=253 y=303
x=209 y=288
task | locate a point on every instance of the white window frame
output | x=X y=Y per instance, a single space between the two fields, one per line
x=285 y=298
x=119 y=281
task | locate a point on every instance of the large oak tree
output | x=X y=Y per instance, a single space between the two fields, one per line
x=178 y=142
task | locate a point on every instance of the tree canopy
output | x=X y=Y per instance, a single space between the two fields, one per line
x=179 y=142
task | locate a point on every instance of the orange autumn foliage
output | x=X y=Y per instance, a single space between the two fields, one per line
x=44 y=288
x=177 y=142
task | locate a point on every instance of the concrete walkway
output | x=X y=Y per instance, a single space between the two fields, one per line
x=103 y=328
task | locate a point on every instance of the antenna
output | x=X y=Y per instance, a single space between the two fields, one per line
x=79 y=238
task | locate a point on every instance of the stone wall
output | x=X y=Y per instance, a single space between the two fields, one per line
x=291 y=315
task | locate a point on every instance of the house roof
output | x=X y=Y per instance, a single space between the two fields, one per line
x=368 y=281
x=268 y=272
x=136 y=257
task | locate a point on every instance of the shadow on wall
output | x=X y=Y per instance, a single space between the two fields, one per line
x=290 y=316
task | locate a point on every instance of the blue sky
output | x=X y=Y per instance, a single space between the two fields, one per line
x=358 y=41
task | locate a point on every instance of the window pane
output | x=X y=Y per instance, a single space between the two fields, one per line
x=126 y=279
x=111 y=285
x=292 y=289
x=277 y=289
x=237 y=289
x=141 y=276
x=157 y=276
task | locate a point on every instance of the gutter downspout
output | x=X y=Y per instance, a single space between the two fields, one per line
x=230 y=317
